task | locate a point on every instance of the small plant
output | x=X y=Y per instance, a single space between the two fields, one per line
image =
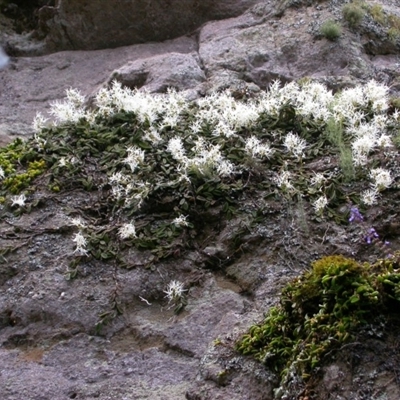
x=393 y=34
x=334 y=131
x=353 y=14
x=377 y=14
x=331 y=30
x=175 y=295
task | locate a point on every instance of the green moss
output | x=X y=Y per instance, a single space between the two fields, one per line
x=321 y=310
x=21 y=164
x=20 y=181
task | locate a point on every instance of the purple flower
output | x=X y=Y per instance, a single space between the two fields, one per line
x=355 y=215
x=371 y=235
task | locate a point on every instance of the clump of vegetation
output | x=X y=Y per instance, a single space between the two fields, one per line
x=154 y=165
x=331 y=30
x=159 y=155
x=19 y=166
x=389 y=21
x=353 y=14
x=377 y=14
x=320 y=311
x=334 y=131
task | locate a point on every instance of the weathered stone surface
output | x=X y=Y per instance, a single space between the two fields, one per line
x=99 y=24
x=258 y=48
x=172 y=70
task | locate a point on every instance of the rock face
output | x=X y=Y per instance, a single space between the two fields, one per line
x=158 y=73
x=99 y=24
x=47 y=323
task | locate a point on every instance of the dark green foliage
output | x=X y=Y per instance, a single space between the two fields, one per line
x=320 y=310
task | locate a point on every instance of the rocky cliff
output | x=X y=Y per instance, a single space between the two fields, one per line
x=88 y=256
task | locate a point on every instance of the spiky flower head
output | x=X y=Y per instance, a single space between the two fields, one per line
x=174 y=291
x=381 y=178
x=127 y=231
x=18 y=200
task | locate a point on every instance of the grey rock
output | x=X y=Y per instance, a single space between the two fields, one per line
x=173 y=70
x=99 y=24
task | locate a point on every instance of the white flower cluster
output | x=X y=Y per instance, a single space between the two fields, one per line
x=283 y=180
x=255 y=148
x=71 y=110
x=124 y=186
x=127 y=231
x=135 y=157
x=225 y=114
x=39 y=122
x=381 y=180
x=81 y=243
x=180 y=221
x=317 y=180
x=310 y=100
x=295 y=145
x=361 y=111
x=175 y=147
x=78 y=222
x=320 y=204
x=207 y=158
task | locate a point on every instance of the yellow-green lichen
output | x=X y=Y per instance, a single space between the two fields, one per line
x=15 y=183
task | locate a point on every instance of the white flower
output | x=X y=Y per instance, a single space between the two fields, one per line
x=320 y=204
x=39 y=122
x=127 y=231
x=283 y=180
x=225 y=168
x=78 y=222
x=254 y=148
x=384 y=141
x=74 y=97
x=318 y=179
x=134 y=158
x=18 y=200
x=180 y=221
x=80 y=241
x=370 y=197
x=381 y=178
x=360 y=159
x=71 y=110
x=295 y=144
x=117 y=177
x=175 y=147
x=153 y=136
x=174 y=291
x=2 y=173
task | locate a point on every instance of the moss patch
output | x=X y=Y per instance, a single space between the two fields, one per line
x=321 y=310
